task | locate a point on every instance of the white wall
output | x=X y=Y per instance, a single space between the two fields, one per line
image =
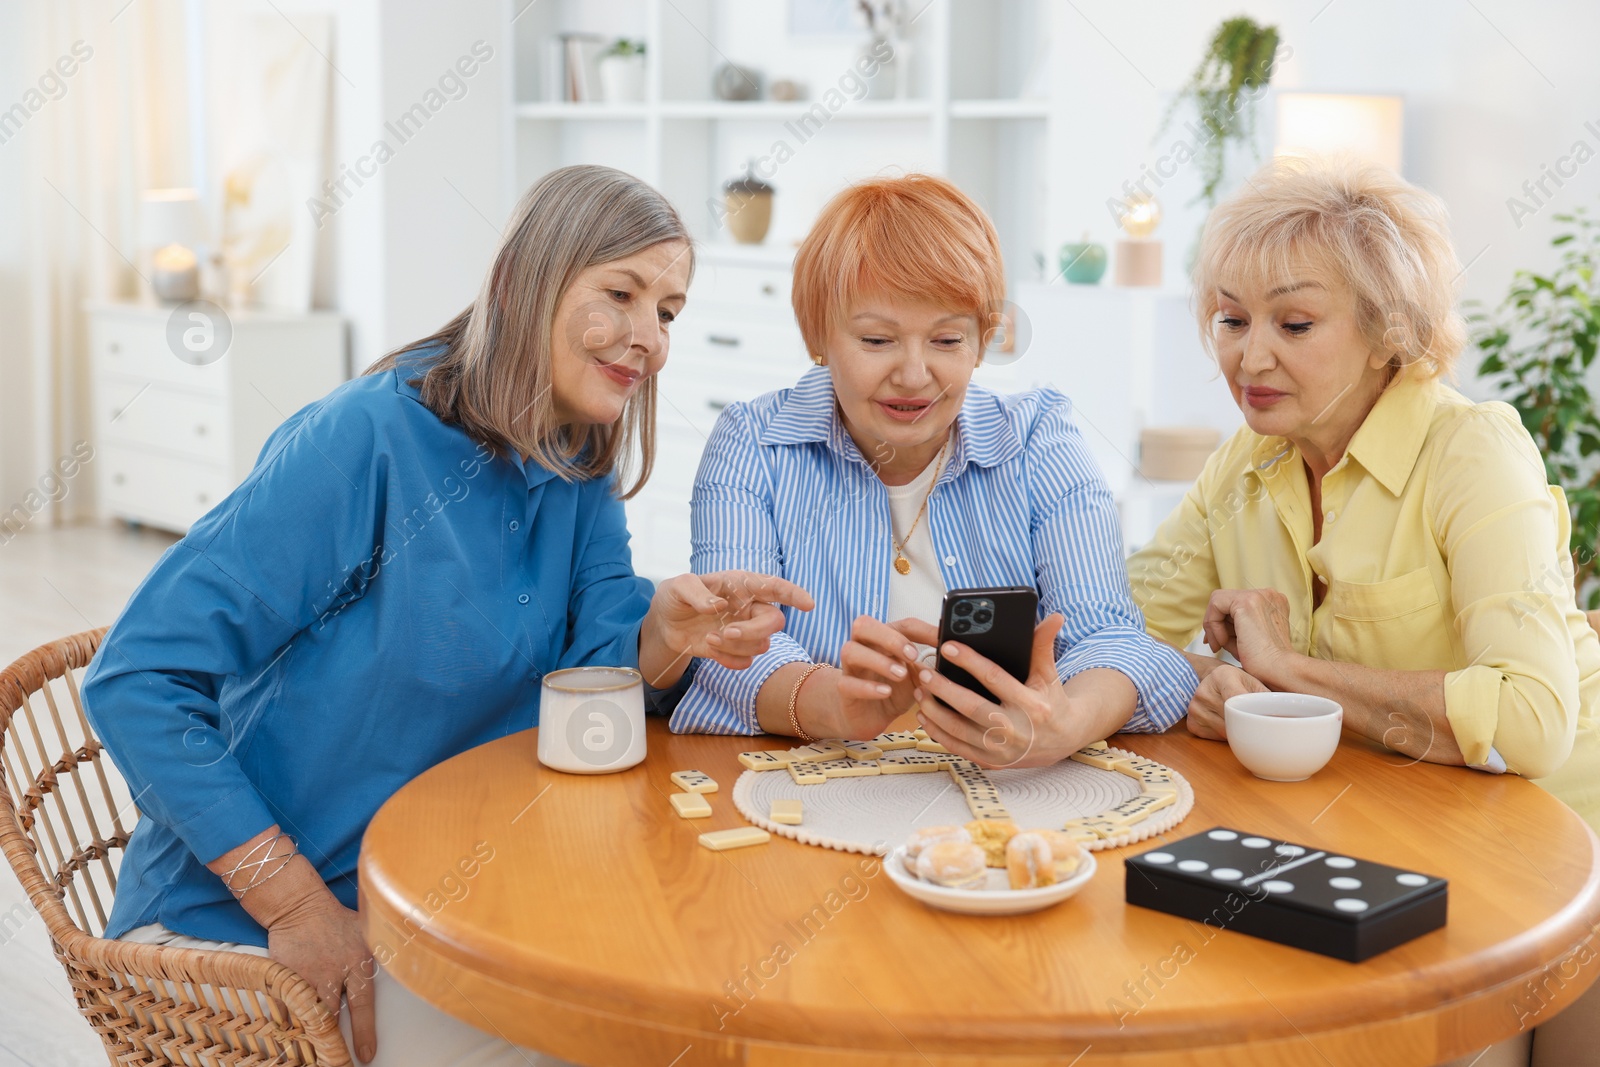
x=445 y=187
x=1493 y=90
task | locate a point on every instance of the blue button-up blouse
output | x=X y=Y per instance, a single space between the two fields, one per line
x=380 y=594
x=783 y=490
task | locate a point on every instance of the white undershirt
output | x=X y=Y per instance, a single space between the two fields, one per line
x=920 y=594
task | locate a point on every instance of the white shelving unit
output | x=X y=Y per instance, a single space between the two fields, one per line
x=977 y=113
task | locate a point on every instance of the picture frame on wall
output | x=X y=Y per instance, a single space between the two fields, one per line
x=818 y=20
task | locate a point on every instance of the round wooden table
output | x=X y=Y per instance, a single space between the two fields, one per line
x=579 y=916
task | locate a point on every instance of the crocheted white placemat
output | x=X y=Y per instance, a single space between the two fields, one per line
x=873 y=814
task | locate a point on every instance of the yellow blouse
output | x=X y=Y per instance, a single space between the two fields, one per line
x=1442 y=548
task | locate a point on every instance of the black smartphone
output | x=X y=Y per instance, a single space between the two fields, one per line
x=996 y=623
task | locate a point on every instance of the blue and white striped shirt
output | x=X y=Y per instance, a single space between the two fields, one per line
x=783 y=490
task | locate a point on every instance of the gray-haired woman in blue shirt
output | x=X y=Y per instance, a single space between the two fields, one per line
x=408 y=558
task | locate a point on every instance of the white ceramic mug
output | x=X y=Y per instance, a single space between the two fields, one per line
x=591 y=720
x=1282 y=737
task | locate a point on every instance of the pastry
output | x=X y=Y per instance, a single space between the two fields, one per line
x=921 y=839
x=1066 y=854
x=991 y=835
x=956 y=864
x=1029 y=863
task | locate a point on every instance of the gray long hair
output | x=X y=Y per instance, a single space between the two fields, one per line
x=493 y=378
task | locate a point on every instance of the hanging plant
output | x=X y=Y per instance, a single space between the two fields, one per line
x=1237 y=66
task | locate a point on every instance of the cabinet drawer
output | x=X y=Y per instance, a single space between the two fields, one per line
x=743 y=289
x=157 y=489
x=159 y=416
x=136 y=347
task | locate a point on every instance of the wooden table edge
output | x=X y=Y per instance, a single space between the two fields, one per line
x=638 y=1006
x=582 y=1033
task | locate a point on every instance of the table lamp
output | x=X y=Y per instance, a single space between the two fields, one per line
x=171 y=229
x=1138 y=258
x=1370 y=128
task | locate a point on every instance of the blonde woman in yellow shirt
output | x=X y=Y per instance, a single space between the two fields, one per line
x=1371 y=535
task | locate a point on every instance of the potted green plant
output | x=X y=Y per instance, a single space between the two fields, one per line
x=622 y=72
x=1537 y=349
x=1237 y=66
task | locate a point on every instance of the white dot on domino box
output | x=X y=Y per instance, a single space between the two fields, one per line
x=1192 y=865
x=1227 y=874
x=1222 y=835
x=1290 y=850
x=1350 y=904
x=1278 y=885
x=1411 y=879
x=1345 y=883
x=1158 y=857
x=1343 y=863
x=1255 y=842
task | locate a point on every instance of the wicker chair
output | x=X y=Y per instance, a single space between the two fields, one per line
x=149 y=1004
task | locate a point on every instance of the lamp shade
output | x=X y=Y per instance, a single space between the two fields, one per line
x=171 y=217
x=1367 y=127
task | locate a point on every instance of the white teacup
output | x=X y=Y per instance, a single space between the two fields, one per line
x=591 y=720
x=1282 y=737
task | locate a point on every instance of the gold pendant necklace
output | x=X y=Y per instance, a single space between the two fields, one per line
x=902 y=564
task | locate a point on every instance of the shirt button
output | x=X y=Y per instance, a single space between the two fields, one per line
x=949 y=561
x=523 y=599
x=1331 y=516
x=514 y=525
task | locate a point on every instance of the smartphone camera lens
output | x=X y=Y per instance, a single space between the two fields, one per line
x=963 y=607
x=982 y=616
x=960 y=626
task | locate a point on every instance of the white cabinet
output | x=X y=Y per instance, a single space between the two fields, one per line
x=173 y=438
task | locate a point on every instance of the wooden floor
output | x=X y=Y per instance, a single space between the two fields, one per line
x=53 y=583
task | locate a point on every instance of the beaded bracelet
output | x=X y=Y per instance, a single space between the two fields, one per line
x=794 y=699
x=258 y=868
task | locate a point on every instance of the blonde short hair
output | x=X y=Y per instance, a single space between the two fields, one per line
x=492 y=376
x=1388 y=240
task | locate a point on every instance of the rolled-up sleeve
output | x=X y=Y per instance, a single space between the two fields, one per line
x=732 y=528
x=1077 y=544
x=223 y=602
x=1504 y=532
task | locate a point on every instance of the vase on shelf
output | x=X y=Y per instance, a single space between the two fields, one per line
x=748 y=201
x=622 y=79
x=1083 y=262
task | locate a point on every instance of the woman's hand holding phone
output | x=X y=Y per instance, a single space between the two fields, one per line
x=1031 y=725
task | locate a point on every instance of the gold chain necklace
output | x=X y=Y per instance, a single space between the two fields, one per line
x=902 y=564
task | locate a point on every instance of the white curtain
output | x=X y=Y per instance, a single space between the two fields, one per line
x=90 y=141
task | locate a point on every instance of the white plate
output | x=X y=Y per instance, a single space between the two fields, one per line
x=996 y=898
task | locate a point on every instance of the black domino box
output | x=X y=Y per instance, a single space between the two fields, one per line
x=1298 y=895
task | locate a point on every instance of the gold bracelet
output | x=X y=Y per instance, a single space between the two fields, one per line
x=794 y=699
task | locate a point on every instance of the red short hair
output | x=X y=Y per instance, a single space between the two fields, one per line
x=916 y=236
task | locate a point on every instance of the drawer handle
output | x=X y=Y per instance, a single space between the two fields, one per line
x=114 y=347
x=118 y=479
x=202 y=497
x=200 y=430
x=717 y=405
x=723 y=339
x=768 y=289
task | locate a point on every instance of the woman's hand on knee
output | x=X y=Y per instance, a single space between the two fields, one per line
x=321 y=941
x=1205 y=709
